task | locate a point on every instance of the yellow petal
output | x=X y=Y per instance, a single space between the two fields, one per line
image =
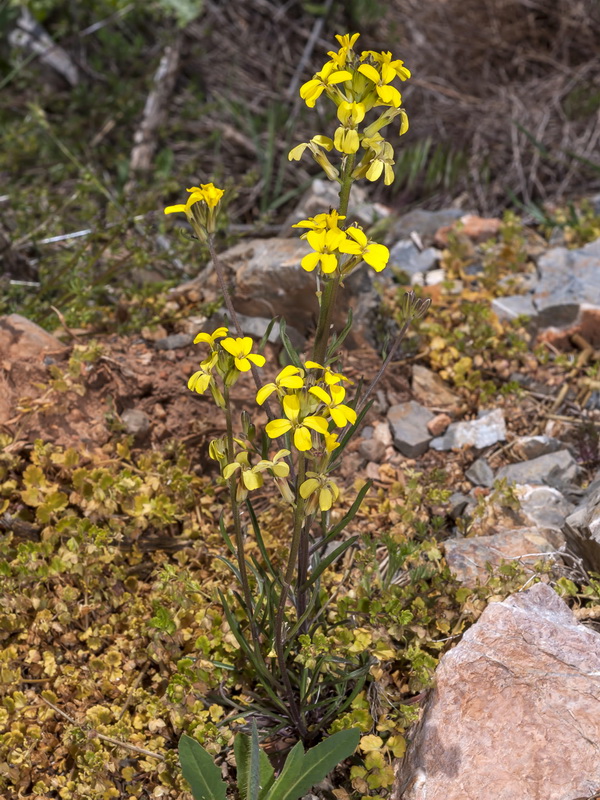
x=302 y=439
x=310 y=261
x=257 y=359
x=277 y=427
x=318 y=424
x=175 y=209
x=320 y=393
x=264 y=392
x=308 y=487
x=369 y=72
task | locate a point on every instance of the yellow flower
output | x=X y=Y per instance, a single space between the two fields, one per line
x=382 y=160
x=280 y=470
x=340 y=413
x=324 y=243
x=387 y=59
x=212 y=195
x=211 y=338
x=302 y=435
x=196 y=196
x=290 y=377
x=351 y=114
x=320 y=221
x=326 y=487
x=240 y=349
x=347 y=40
x=375 y=255
x=346 y=140
x=329 y=377
x=388 y=95
x=323 y=80
x=199 y=381
x=205 y=193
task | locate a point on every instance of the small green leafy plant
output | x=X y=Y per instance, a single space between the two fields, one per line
x=255 y=776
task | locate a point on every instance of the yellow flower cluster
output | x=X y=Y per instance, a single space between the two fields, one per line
x=200 y=208
x=337 y=249
x=310 y=403
x=228 y=357
x=356 y=84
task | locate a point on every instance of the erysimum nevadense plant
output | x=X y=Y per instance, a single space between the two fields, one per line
x=302 y=680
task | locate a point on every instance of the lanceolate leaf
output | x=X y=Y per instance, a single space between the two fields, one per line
x=200 y=771
x=242 y=748
x=314 y=766
x=290 y=774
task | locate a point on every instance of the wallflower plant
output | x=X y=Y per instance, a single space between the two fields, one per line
x=313 y=410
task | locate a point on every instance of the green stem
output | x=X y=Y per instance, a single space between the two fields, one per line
x=285 y=589
x=237 y=526
x=328 y=298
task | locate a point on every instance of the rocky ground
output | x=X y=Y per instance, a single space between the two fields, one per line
x=499 y=389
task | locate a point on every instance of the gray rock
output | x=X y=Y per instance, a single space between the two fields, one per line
x=582 y=531
x=467 y=558
x=513 y=306
x=568 y=280
x=480 y=473
x=554 y=469
x=405 y=256
x=173 y=341
x=515 y=712
x=408 y=422
x=527 y=447
x=543 y=506
x=487 y=429
x=425 y=223
x=137 y=423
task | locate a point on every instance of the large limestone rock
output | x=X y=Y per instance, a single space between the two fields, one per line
x=515 y=712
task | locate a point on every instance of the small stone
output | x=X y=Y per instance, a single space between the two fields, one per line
x=21 y=339
x=137 y=423
x=174 y=341
x=408 y=422
x=371 y=449
x=405 y=256
x=543 y=506
x=480 y=473
x=430 y=389
x=554 y=469
x=438 y=424
x=527 y=447
x=154 y=333
x=372 y=471
x=460 y=504
x=477 y=229
x=382 y=433
x=484 y=431
x=467 y=558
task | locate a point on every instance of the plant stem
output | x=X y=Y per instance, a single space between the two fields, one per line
x=231 y=310
x=237 y=526
x=303 y=572
x=328 y=298
x=285 y=589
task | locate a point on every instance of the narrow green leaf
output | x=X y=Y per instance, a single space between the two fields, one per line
x=200 y=771
x=346 y=519
x=338 y=340
x=290 y=774
x=241 y=749
x=254 y=769
x=288 y=346
x=316 y=765
x=325 y=562
x=259 y=539
x=265 y=338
